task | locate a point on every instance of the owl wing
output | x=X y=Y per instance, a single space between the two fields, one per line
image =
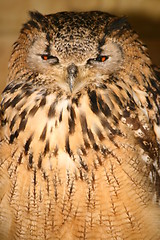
x=155 y=169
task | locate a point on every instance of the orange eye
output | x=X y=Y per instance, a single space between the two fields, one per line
x=101 y=58
x=45 y=57
x=49 y=58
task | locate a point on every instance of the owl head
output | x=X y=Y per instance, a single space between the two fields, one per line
x=70 y=50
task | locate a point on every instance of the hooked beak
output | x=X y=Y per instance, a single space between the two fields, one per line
x=72 y=71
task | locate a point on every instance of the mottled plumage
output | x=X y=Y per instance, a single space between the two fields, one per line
x=80 y=132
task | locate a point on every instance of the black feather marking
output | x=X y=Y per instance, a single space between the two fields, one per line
x=106 y=124
x=83 y=122
x=13 y=136
x=52 y=111
x=72 y=113
x=118 y=24
x=30 y=160
x=40 y=161
x=103 y=86
x=60 y=116
x=83 y=164
x=3 y=122
x=99 y=160
x=26 y=26
x=99 y=134
x=154 y=84
x=16 y=44
x=91 y=137
x=16 y=87
x=104 y=107
x=6 y=104
x=44 y=175
x=117 y=99
x=71 y=121
x=22 y=124
x=83 y=150
x=84 y=128
x=33 y=111
x=132 y=105
x=35 y=182
x=116 y=122
x=23 y=114
x=71 y=189
x=8 y=87
x=93 y=101
x=13 y=122
x=43 y=102
x=41 y=20
x=48 y=38
x=55 y=187
x=126 y=114
x=158 y=119
x=43 y=134
x=67 y=146
x=27 y=144
x=55 y=152
x=75 y=100
x=33 y=24
x=86 y=143
x=80 y=174
x=46 y=148
x=20 y=158
x=149 y=103
x=95 y=146
x=29 y=85
x=36 y=15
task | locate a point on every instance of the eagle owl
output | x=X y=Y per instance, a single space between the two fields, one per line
x=80 y=132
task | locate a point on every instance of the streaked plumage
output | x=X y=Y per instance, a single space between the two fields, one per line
x=80 y=132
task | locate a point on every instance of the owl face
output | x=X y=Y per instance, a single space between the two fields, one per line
x=73 y=50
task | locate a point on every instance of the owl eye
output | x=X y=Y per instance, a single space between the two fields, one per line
x=98 y=59
x=45 y=57
x=50 y=58
x=101 y=58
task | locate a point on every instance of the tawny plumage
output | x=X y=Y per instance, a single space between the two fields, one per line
x=80 y=132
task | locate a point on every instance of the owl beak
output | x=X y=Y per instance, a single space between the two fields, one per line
x=72 y=71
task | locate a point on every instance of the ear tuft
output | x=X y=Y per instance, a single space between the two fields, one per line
x=35 y=15
x=119 y=24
